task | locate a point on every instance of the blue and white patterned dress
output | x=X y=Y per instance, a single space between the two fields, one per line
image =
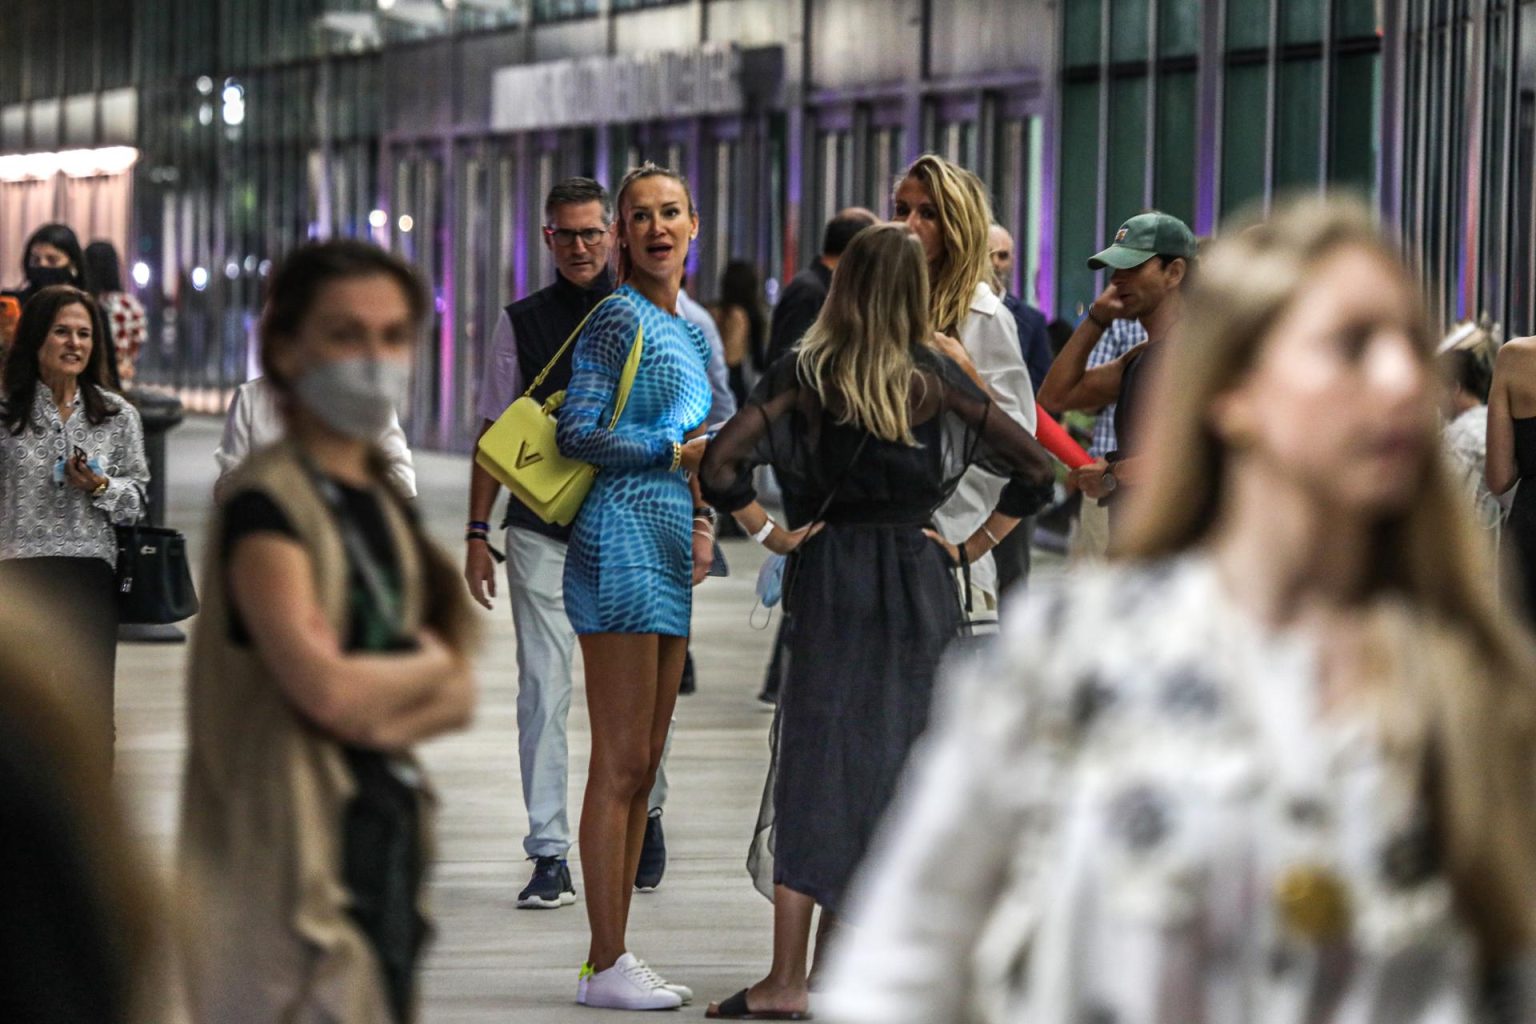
x=630 y=562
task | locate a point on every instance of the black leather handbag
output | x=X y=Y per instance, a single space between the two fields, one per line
x=154 y=580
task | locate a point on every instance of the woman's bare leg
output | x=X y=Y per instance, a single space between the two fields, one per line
x=784 y=989
x=826 y=934
x=621 y=672
x=670 y=655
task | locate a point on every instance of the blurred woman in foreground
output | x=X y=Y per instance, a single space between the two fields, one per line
x=333 y=638
x=1273 y=766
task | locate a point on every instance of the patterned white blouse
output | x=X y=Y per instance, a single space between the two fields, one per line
x=40 y=518
x=1134 y=811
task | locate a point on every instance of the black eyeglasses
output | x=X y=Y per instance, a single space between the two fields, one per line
x=568 y=236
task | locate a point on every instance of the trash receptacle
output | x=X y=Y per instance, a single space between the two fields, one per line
x=159 y=412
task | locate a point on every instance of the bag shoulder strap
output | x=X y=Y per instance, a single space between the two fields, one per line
x=841 y=477
x=627 y=377
x=568 y=342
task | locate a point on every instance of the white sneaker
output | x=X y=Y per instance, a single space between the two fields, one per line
x=683 y=991
x=627 y=985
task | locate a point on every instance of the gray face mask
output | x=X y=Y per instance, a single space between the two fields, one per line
x=357 y=396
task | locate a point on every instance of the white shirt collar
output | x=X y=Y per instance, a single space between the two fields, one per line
x=985 y=300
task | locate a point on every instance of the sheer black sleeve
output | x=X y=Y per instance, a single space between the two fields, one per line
x=747 y=440
x=995 y=442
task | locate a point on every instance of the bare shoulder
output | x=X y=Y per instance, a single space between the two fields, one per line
x=1517 y=352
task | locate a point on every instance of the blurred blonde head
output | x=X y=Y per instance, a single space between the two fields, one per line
x=1473 y=721
x=876 y=315
x=964 y=222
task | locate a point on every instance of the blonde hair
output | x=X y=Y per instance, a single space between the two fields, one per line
x=860 y=348
x=965 y=221
x=1460 y=674
x=625 y=265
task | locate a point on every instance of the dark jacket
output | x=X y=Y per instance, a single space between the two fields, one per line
x=541 y=323
x=1034 y=340
x=799 y=304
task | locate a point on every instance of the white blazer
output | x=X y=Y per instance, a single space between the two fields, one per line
x=991 y=337
x=254 y=421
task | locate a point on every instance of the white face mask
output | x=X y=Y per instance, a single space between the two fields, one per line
x=356 y=396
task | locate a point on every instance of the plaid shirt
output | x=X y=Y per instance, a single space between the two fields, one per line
x=1122 y=336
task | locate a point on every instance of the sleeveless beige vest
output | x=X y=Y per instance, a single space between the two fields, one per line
x=260 y=848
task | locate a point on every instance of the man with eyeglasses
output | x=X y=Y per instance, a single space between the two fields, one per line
x=578 y=219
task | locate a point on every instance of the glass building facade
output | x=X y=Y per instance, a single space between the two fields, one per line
x=1204 y=109
x=261 y=123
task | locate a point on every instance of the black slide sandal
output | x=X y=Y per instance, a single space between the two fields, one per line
x=735 y=1008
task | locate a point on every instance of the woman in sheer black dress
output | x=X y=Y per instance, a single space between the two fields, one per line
x=869 y=429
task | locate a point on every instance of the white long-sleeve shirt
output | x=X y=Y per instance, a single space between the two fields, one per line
x=1114 y=810
x=991 y=337
x=255 y=421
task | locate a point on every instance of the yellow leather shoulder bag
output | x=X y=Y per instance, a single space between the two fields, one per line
x=520 y=450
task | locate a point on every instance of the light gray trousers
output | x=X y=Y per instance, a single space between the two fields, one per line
x=545 y=642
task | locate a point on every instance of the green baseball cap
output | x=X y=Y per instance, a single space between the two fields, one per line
x=1144 y=236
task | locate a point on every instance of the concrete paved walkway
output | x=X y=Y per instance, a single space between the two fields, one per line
x=706 y=927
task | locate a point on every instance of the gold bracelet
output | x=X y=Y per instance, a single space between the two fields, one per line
x=101 y=488
x=677 y=457
x=990 y=537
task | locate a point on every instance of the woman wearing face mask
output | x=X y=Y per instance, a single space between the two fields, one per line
x=1277 y=763
x=633 y=557
x=51 y=256
x=333 y=637
x=71 y=465
x=947 y=208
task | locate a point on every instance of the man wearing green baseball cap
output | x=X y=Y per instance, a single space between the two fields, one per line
x=1150 y=259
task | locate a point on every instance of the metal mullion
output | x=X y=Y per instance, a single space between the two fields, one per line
x=1330 y=78
x=1470 y=157
x=1152 y=69
x=1390 y=158
x=1421 y=149
x=1506 y=169
x=859 y=132
x=1271 y=97
x=1101 y=213
x=1211 y=99
x=1447 y=72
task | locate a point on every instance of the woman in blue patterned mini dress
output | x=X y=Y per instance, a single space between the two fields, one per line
x=642 y=540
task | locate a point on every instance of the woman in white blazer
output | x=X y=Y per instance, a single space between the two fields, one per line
x=946 y=206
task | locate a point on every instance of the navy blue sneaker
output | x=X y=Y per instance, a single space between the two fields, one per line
x=653 y=855
x=550 y=887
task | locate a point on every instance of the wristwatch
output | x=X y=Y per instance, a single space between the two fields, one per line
x=1109 y=482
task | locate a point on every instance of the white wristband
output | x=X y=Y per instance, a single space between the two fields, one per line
x=762 y=534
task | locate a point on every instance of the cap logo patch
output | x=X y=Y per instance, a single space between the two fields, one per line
x=1120 y=235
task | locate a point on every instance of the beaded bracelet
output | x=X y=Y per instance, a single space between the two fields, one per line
x=677 y=457
x=475 y=524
